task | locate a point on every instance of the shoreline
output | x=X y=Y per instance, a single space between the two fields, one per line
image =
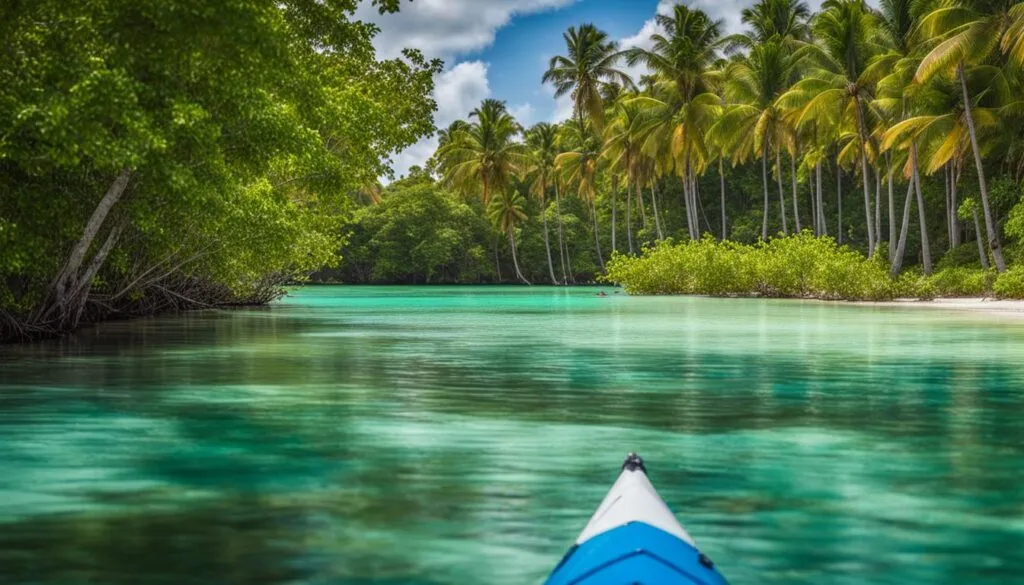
x=1013 y=309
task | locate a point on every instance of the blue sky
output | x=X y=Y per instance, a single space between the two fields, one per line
x=500 y=48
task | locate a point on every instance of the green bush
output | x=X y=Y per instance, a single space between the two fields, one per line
x=962 y=282
x=1010 y=284
x=796 y=266
x=963 y=256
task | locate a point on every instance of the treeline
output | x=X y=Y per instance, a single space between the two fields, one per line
x=170 y=154
x=895 y=131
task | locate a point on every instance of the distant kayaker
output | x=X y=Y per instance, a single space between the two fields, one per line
x=602 y=294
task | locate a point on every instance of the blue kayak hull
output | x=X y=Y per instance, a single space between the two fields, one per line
x=635 y=554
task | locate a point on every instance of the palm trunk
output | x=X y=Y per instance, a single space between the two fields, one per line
x=949 y=215
x=892 y=210
x=687 y=203
x=561 y=238
x=990 y=227
x=497 y=260
x=640 y=204
x=926 y=250
x=597 y=235
x=721 y=178
x=839 y=200
x=901 y=247
x=796 y=206
x=547 y=242
x=629 y=217
x=657 y=216
x=867 y=200
x=615 y=190
x=878 y=208
x=821 y=201
x=782 y=196
x=515 y=260
x=981 y=247
x=954 y=178
x=814 y=201
x=764 y=183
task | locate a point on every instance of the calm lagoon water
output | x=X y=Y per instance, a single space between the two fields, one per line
x=428 y=436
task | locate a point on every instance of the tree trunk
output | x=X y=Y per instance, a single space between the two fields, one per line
x=615 y=190
x=821 y=201
x=949 y=214
x=657 y=216
x=991 y=229
x=892 y=210
x=981 y=247
x=721 y=178
x=954 y=178
x=764 y=183
x=629 y=217
x=515 y=260
x=782 y=195
x=867 y=199
x=597 y=235
x=839 y=200
x=68 y=278
x=814 y=202
x=901 y=247
x=497 y=260
x=926 y=249
x=878 y=207
x=561 y=238
x=796 y=206
x=687 y=202
x=547 y=242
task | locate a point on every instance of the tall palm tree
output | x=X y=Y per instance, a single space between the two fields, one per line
x=783 y=19
x=587 y=68
x=542 y=141
x=972 y=30
x=755 y=124
x=682 y=104
x=578 y=166
x=839 y=85
x=506 y=211
x=622 y=152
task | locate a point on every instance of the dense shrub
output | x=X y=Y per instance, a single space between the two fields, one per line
x=962 y=282
x=1010 y=284
x=797 y=266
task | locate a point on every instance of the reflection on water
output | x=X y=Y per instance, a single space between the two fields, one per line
x=463 y=435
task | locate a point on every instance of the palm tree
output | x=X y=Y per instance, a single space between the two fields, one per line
x=622 y=152
x=578 y=166
x=542 y=142
x=485 y=154
x=839 y=85
x=506 y=212
x=585 y=71
x=682 y=104
x=783 y=19
x=754 y=124
x=972 y=30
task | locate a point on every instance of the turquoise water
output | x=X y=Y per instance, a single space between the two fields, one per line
x=436 y=436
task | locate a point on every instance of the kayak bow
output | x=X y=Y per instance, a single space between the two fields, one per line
x=634 y=539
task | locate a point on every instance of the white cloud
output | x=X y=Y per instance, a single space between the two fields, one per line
x=457 y=91
x=445 y=28
x=523 y=113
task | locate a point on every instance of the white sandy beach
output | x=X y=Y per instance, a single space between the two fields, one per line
x=1007 y=308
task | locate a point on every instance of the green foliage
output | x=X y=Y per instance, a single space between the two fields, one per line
x=963 y=256
x=798 y=266
x=1010 y=284
x=963 y=282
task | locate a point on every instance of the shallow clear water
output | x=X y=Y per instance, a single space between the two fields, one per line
x=464 y=435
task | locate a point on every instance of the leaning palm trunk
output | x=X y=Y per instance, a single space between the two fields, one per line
x=981 y=247
x=782 y=195
x=990 y=227
x=547 y=246
x=796 y=206
x=926 y=249
x=688 y=204
x=515 y=260
x=901 y=247
x=561 y=238
x=954 y=178
x=764 y=183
